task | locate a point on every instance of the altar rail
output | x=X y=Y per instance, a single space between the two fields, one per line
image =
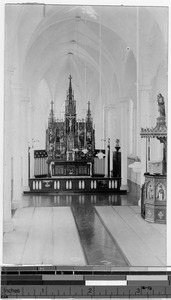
x=75 y=185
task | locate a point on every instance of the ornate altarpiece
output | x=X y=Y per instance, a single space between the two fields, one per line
x=70 y=143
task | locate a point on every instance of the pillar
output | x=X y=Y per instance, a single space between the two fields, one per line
x=16 y=134
x=24 y=141
x=144 y=121
x=130 y=127
x=124 y=144
x=105 y=135
x=111 y=119
x=134 y=132
x=7 y=176
x=104 y=124
x=31 y=139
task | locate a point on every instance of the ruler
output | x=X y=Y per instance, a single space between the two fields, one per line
x=52 y=282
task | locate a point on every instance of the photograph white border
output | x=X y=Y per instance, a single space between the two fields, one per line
x=85 y=2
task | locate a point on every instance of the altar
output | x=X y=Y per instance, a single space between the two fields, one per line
x=70 y=162
x=71 y=168
x=70 y=143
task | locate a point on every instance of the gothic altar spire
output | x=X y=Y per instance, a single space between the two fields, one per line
x=51 y=104
x=70 y=86
x=70 y=106
x=88 y=112
x=51 y=115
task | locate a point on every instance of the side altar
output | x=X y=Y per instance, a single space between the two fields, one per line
x=70 y=143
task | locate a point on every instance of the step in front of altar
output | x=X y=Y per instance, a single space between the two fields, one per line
x=74 y=184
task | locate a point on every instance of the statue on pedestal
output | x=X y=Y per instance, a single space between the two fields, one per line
x=161 y=105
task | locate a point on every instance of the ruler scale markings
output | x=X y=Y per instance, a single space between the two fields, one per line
x=96 y=292
x=168 y=290
x=112 y=290
x=140 y=284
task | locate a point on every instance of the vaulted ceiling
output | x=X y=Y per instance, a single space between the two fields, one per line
x=101 y=47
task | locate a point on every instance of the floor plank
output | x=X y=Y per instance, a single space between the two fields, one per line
x=47 y=257
x=147 y=233
x=48 y=235
x=37 y=236
x=136 y=209
x=67 y=248
x=14 y=242
x=161 y=228
x=136 y=251
x=43 y=235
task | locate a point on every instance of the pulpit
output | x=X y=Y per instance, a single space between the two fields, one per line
x=153 y=195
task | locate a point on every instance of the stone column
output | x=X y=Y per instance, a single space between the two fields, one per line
x=130 y=127
x=111 y=119
x=105 y=135
x=134 y=133
x=31 y=139
x=7 y=176
x=104 y=125
x=144 y=121
x=16 y=133
x=124 y=144
x=24 y=141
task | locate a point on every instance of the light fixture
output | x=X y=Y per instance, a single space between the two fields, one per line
x=73 y=42
x=128 y=48
x=70 y=53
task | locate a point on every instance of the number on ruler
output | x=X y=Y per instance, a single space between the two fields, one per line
x=90 y=290
x=138 y=290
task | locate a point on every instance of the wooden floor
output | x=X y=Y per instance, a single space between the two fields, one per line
x=143 y=243
x=48 y=235
x=43 y=235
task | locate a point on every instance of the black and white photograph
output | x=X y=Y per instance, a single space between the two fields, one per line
x=85 y=135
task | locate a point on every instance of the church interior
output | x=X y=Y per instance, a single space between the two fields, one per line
x=85 y=135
